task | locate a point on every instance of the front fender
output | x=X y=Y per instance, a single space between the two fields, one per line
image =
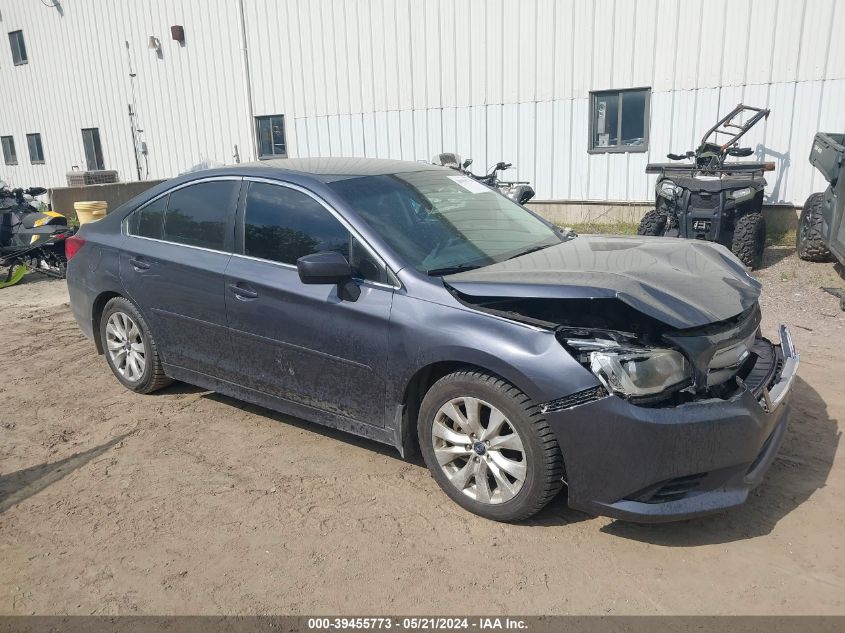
x=423 y=333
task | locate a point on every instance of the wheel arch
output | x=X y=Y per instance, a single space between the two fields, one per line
x=419 y=384
x=97 y=308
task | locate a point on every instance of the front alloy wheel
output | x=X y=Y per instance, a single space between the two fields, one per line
x=478 y=450
x=488 y=446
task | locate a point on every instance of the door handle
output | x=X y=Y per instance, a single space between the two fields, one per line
x=139 y=264
x=242 y=293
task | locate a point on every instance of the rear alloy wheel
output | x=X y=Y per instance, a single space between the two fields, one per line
x=130 y=348
x=749 y=239
x=809 y=238
x=125 y=346
x=488 y=446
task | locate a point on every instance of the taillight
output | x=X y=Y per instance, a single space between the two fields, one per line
x=72 y=246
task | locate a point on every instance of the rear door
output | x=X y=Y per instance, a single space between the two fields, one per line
x=303 y=342
x=173 y=267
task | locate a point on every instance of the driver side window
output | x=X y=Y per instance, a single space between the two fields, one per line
x=283 y=224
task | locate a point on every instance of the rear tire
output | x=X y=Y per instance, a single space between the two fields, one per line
x=504 y=462
x=809 y=239
x=130 y=348
x=749 y=239
x=653 y=223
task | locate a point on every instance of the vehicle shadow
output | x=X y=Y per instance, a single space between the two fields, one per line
x=178 y=387
x=557 y=512
x=774 y=254
x=22 y=484
x=801 y=467
x=313 y=427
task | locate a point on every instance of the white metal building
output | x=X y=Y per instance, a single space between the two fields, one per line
x=512 y=80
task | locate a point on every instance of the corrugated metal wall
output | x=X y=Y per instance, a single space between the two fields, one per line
x=190 y=101
x=490 y=79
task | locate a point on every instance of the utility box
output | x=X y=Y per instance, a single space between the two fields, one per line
x=828 y=155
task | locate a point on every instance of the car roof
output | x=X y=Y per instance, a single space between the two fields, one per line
x=331 y=169
x=297 y=170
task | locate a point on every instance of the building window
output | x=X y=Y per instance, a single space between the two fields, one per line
x=93 y=149
x=270 y=131
x=619 y=120
x=18 y=48
x=36 y=150
x=10 y=156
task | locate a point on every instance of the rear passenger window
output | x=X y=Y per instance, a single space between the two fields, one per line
x=283 y=224
x=148 y=221
x=197 y=215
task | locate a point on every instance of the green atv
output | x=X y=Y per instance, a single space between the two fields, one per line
x=821 y=230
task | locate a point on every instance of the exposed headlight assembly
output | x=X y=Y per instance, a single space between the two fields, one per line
x=633 y=372
x=668 y=189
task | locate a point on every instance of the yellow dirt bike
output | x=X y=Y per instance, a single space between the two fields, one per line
x=30 y=239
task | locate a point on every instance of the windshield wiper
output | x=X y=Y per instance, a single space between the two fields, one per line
x=450 y=270
x=533 y=249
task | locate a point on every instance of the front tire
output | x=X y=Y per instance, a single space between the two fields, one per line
x=809 y=238
x=653 y=223
x=488 y=447
x=749 y=239
x=130 y=348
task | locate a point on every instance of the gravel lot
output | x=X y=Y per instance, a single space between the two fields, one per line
x=188 y=502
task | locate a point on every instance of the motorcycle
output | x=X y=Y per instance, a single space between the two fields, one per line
x=519 y=191
x=30 y=239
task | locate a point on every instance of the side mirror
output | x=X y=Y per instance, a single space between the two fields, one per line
x=323 y=268
x=329 y=268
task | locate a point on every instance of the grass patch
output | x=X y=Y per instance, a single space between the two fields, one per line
x=610 y=228
x=774 y=237
x=781 y=237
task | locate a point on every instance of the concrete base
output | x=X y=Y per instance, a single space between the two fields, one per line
x=779 y=217
x=62 y=199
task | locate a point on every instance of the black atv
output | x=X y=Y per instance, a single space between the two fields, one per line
x=709 y=199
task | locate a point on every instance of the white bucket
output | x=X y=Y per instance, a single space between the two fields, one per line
x=90 y=210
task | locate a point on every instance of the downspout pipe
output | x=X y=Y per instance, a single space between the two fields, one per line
x=247 y=79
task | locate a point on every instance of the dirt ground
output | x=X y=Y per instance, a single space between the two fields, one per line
x=187 y=502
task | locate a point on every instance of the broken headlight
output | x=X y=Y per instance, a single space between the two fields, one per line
x=632 y=372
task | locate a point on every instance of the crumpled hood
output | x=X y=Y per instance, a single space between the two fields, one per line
x=683 y=283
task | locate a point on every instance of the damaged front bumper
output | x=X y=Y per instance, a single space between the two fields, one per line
x=655 y=464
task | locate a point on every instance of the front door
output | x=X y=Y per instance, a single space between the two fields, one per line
x=173 y=265
x=303 y=342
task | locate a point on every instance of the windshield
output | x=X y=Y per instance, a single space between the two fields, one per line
x=442 y=222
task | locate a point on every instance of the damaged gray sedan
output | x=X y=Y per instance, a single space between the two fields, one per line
x=412 y=305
